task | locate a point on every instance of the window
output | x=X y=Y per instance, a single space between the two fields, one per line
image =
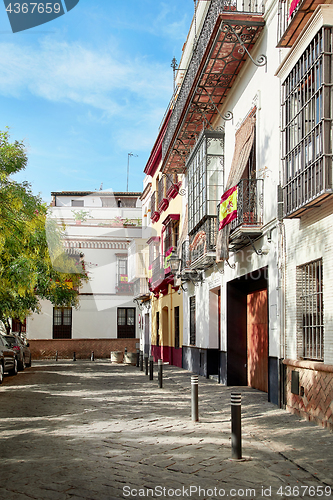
x=62 y=322
x=122 y=270
x=176 y=311
x=307 y=122
x=205 y=168
x=77 y=203
x=310 y=310
x=126 y=322
x=192 y=321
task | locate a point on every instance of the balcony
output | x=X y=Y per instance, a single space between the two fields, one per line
x=155 y=215
x=140 y=288
x=124 y=288
x=293 y=17
x=249 y=220
x=217 y=58
x=202 y=244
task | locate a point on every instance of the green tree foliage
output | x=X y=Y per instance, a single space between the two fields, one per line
x=33 y=263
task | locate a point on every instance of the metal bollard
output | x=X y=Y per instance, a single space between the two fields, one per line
x=194 y=397
x=92 y=357
x=146 y=364
x=138 y=358
x=160 y=373
x=56 y=358
x=151 y=368
x=74 y=356
x=236 y=426
x=141 y=361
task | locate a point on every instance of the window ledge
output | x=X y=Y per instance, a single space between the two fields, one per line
x=309 y=365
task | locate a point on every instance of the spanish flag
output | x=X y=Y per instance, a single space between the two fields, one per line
x=228 y=207
x=123 y=278
x=292 y=7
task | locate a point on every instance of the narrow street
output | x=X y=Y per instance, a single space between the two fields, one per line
x=92 y=430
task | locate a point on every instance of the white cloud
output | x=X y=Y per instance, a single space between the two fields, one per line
x=64 y=72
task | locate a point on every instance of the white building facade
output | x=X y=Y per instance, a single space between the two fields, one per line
x=99 y=226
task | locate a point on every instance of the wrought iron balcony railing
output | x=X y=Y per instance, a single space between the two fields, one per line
x=202 y=244
x=216 y=8
x=249 y=203
x=153 y=202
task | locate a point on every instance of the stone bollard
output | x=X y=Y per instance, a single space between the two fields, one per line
x=160 y=373
x=56 y=358
x=194 y=397
x=141 y=361
x=92 y=357
x=74 y=356
x=151 y=367
x=146 y=364
x=236 y=425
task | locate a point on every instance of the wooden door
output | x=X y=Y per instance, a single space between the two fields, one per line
x=257 y=340
x=126 y=323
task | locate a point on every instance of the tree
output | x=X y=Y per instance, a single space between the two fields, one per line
x=33 y=264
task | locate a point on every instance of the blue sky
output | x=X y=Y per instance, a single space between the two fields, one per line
x=89 y=87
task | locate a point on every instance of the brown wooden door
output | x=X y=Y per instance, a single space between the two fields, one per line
x=257 y=340
x=126 y=322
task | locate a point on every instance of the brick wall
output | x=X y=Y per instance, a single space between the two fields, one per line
x=316 y=380
x=46 y=349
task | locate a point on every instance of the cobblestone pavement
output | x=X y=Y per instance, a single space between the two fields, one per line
x=92 y=430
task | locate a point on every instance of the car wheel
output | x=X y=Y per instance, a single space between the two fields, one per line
x=22 y=364
x=1 y=373
x=13 y=371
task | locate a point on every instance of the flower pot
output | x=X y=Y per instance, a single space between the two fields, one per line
x=116 y=356
x=130 y=358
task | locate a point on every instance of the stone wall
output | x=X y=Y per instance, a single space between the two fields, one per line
x=46 y=349
x=315 y=399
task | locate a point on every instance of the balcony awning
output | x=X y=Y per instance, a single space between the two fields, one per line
x=217 y=59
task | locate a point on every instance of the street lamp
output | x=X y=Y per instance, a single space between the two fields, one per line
x=174 y=263
x=128 y=159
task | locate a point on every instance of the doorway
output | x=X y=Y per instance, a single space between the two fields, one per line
x=247 y=331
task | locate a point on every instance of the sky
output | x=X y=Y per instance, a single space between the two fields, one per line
x=89 y=87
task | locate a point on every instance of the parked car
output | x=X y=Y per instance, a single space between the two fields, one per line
x=8 y=359
x=22 y=350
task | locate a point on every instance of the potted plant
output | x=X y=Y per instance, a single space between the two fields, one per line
x=80 y=216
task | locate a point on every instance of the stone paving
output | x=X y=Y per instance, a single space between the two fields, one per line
x=95 y=431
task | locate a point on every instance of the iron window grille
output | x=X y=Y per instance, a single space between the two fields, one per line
x=311 y=310
x=307 y=125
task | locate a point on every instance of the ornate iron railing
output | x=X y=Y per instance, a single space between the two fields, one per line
x=203 y=239
x=249 y=203
x=161 y=190
x=216 y=8
x=153 y=207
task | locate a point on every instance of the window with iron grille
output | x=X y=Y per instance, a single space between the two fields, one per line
x=307 y=123
x=62 y=322
x=205 y=168
x=310 y=312
x=176 y=311
x=192 y=321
